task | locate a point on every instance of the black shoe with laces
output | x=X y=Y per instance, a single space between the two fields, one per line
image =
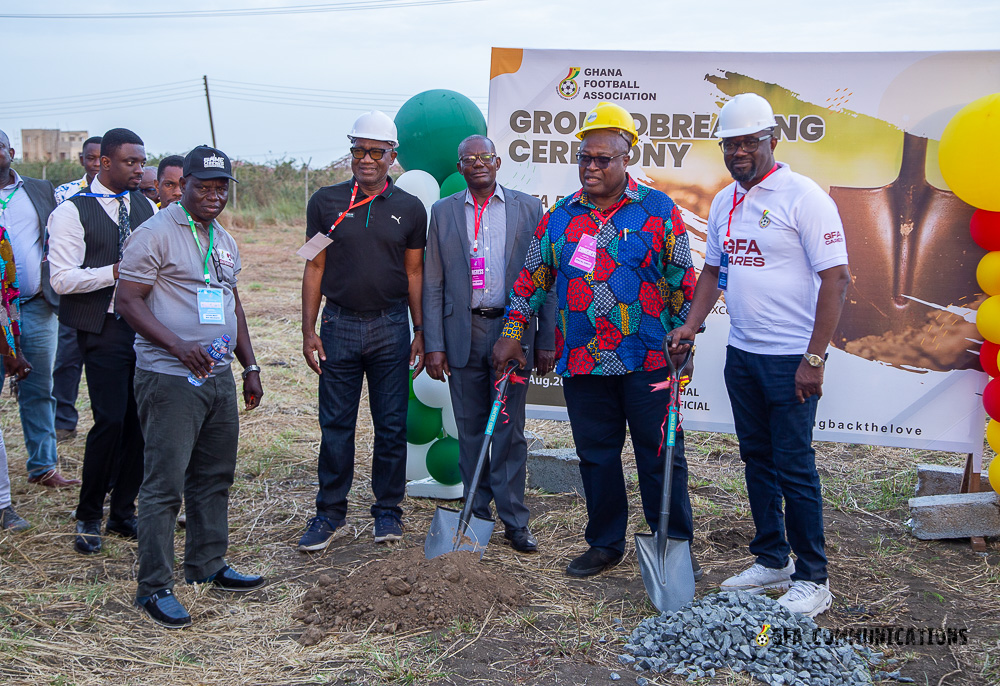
x=594 y=561
x=88 y=536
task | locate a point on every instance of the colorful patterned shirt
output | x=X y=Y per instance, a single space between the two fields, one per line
x=68 y=190
x=612 y=319
x=10 y=300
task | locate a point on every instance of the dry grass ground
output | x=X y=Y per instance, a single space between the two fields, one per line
x=68 y=619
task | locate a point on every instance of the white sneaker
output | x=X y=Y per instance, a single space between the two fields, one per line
x=759 y=578
x=808 y=598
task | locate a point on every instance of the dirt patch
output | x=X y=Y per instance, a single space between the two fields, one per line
x=406 y=592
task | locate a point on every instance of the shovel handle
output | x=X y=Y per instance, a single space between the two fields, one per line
x=671 y=367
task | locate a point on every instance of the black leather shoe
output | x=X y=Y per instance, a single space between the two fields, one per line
x=126 y=528
x=522 y=540
x=88 y=536
x=164 y=609
x=592 y=562
x=228 y=579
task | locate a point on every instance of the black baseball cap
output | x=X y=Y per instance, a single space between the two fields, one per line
x=205 y=162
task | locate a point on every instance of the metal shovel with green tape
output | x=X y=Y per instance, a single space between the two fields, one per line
x=452 y=531
x=665 y=563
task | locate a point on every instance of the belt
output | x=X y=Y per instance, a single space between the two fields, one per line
x=488 y=312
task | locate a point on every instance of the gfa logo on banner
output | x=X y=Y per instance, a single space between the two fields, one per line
x=568 y=87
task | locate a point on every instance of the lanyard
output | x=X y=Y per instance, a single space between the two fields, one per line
x=351 y=205
x=596 y=214
x=477 y=215
x=3 y=203
x=103 y=195
x=211 y=242
x=737 y=203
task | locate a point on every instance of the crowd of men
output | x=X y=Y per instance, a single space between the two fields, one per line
x=127 y=274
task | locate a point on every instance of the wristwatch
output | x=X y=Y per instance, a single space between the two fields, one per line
x=814 y=360
x=249 y=370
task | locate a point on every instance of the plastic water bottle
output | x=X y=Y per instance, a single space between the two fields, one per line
x=218 y=350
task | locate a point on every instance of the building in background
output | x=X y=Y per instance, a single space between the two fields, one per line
x=51 y=145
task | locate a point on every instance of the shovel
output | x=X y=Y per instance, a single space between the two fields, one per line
x=452 y=531
x=904 y=239
x=665 y=562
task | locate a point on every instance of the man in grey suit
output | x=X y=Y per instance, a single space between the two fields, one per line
x=25 y=205
x=476 y=246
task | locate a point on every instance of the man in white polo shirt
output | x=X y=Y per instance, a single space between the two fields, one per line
x=776 y=246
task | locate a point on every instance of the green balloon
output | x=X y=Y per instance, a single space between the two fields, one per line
x=412 y=395
x=453 y=184
x=442 y=462
x=423 y=424
x=430 y=126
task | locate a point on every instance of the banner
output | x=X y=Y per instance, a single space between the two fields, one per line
x=903 y=369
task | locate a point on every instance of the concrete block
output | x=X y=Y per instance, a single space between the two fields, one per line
x=955 y=516
x=535 y=441
x=555 y=471
x=934 y=479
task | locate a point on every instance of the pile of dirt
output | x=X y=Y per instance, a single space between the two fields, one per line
x=404 y=592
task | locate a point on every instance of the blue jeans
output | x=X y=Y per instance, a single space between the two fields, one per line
x=599 y=408
x=39 y=328
x=358 y=345
x=775 y=434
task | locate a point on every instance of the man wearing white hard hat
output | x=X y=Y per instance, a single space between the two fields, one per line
x=369 y=269
x=776 y=246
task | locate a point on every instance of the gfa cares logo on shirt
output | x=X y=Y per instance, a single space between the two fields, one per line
x=833 y=237
x=745 y=252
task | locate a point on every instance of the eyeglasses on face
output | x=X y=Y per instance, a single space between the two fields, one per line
x=747 y=144
x=601 y=161
x=484 y=157
x=374 y=153
x=148 y=190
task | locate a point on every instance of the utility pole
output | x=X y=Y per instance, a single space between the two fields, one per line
x=208 y=101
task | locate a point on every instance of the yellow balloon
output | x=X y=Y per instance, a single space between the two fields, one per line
x=969 y=150
x=993 y=435
x=988 y=319
x=995 y=474
x=988 y=273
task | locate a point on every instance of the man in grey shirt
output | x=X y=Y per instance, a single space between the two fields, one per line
x=177 y=289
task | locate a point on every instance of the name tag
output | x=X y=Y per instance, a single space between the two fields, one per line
x=314 y=246
x=478 y=265
x=210 y=306
x=585 y=255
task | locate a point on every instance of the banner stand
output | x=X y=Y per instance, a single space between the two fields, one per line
x=970 y=484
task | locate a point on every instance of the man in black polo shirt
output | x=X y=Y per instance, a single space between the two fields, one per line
x=370 y=235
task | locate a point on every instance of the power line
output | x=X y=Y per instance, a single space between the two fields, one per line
x=356 y=5
x=104 y=108
x=87 y=96
x=107 y=101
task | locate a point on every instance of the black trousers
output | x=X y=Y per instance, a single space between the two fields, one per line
x=112 y=459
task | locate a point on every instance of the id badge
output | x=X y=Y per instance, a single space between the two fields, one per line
x=314 y=246
x=585 y=255
x=210 y=307
x=723 y=271
x=478 y=266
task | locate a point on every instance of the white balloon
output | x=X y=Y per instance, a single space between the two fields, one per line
x=431 y=392
x=421 y=184
x=448 y=420
x=416 y=461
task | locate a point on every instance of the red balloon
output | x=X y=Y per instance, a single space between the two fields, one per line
x=991 y=398
x=985 y=229
x=988 y=355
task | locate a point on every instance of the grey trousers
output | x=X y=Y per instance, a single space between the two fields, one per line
x=191 y=437
x=472 y=394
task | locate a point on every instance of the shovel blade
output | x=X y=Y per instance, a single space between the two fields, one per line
x=443 y=538
x=669 y=579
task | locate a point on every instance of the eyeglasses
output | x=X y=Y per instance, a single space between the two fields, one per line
x=602 y=161
x=747 y=144
x=148 y=190
x=374 y=153
x=484 y=157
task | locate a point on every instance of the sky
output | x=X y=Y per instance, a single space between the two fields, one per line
x=317 y=72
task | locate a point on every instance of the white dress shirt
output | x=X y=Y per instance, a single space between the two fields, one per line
x=67 y=246
x=21 y=220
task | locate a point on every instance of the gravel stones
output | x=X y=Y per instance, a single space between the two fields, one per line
x=725 y=631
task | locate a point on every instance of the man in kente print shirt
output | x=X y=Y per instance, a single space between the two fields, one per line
x=618 y=256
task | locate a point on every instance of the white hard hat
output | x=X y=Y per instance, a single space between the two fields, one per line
x=376 y=126
x=745 y=113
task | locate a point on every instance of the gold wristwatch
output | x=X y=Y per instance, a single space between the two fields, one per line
x=814 y=360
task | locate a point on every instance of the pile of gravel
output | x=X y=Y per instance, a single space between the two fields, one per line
x=720 y=631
